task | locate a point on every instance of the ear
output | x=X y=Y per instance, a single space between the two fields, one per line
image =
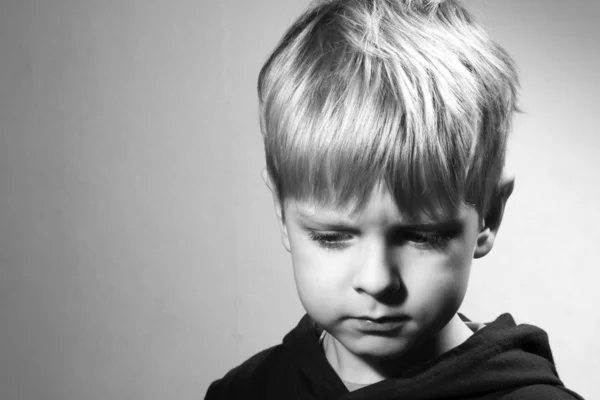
x=493 y=218
x=278 y=210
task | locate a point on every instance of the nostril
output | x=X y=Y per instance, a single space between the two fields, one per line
x=394 y=296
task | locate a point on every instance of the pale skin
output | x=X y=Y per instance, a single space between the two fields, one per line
x=352 y=269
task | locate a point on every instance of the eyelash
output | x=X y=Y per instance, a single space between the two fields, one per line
x=330 y=240
x=428 y=241
x=337 y=240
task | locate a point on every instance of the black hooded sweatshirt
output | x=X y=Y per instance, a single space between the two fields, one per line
x=499 y=361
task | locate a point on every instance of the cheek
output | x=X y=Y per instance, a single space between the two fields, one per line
x=438 y=279
x=318 y=273
x=321 y=278
x=458 y=269
x=459 y=262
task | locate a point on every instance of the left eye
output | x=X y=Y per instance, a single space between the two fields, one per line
x=330 y=239
x=418 y=237
x=426 y=239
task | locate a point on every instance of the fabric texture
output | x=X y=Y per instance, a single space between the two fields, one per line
x=501 y=360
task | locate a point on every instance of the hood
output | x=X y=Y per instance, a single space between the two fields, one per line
x=498 y=357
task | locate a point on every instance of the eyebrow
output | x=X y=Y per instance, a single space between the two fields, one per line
x=449 y=225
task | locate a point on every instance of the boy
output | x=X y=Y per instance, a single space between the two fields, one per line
x=385 y=126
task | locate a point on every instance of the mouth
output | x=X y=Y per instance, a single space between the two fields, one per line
x=385 y=324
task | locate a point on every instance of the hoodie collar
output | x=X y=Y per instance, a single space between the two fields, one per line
x=498 y=356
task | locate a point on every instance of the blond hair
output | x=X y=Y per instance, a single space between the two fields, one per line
x=412 y=93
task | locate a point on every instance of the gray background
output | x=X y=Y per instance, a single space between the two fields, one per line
x=139 y=254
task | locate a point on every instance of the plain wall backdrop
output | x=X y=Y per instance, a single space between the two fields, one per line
x=139 y=252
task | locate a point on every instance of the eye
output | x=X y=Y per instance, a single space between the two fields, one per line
x=330 y=240
x=425 y=240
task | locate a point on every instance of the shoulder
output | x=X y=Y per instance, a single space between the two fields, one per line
x=247 y=377
x=272 y=373
x=545 y=392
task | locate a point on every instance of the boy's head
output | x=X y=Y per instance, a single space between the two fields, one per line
x=380 y=116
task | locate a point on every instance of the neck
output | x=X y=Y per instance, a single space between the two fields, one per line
x=364 y=370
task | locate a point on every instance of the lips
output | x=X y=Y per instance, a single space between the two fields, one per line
x=380 y=325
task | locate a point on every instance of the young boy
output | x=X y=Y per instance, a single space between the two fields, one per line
x=385 y=125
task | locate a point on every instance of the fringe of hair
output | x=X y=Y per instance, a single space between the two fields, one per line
x=412 y=93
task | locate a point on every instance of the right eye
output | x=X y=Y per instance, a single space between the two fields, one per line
x=330 y=240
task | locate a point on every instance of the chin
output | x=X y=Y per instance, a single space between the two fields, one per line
x=378 y=347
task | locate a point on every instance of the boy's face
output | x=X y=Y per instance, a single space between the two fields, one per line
x=377 y=282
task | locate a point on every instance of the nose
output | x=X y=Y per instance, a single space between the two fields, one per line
x=376 y=273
